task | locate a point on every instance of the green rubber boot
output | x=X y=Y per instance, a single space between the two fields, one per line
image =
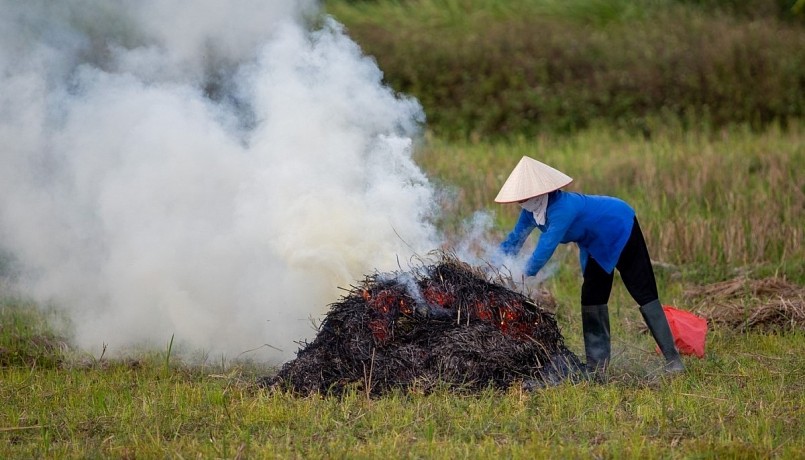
x=658 y=325
x=595 y=327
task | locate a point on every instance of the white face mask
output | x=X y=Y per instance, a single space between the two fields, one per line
x=537 y=206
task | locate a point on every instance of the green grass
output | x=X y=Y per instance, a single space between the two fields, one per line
x=493 y=68
x=26 y=335
x=461 y=13
x=743 y=400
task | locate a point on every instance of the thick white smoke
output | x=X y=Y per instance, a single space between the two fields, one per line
x=210 y=170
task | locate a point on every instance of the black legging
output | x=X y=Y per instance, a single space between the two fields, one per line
x=634 y=266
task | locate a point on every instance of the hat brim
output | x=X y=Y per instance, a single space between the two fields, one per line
x=531 y=178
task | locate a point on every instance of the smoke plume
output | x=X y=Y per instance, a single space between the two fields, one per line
x=208 y=170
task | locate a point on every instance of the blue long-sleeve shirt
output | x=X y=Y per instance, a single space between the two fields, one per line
x=599 y=225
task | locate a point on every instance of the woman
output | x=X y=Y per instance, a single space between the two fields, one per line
x=608 y=236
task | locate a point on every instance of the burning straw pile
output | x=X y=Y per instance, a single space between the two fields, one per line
x=442 y=324
x=742 y=303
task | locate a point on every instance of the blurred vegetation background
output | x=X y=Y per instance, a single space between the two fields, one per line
x=497 y=69
x=691 y=110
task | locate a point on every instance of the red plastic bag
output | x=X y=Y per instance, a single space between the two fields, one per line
x=688 y=329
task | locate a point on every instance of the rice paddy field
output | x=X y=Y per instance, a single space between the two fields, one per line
x=722 y=203
x=704 y=211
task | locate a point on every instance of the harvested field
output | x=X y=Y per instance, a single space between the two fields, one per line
x=441 y=324
x=743 y=303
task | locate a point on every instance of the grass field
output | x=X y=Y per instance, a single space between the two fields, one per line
x=711 y=157
x=713 y=206
x=709 y=204
x=744 y=401
x=494 y=68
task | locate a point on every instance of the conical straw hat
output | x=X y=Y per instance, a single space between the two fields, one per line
x=529 y=179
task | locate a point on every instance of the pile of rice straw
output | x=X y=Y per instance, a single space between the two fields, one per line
x=743 y=303
x=437 y=325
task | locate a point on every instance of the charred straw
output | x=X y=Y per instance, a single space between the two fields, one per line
x=440 y=324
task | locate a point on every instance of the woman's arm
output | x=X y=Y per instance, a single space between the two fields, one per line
x=514 y=242
x=557 y=226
